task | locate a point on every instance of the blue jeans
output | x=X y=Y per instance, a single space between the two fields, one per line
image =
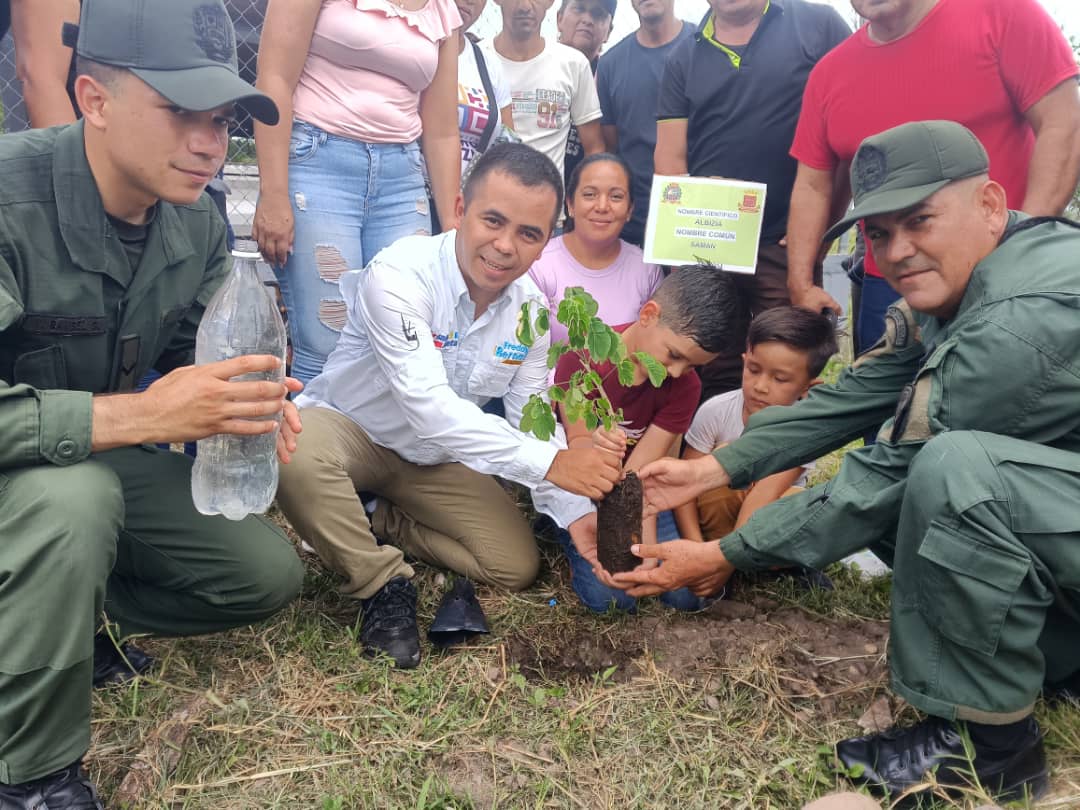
x=877 y=296
x=599 y=598
x=350 y=199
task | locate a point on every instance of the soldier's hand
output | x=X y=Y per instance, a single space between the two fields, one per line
x=814 y=298
x=273 y=227
x=701 y=567
x=194 y=402
x=669 y=483
x=586 y=471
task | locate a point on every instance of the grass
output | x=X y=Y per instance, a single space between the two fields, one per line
x=289 y=715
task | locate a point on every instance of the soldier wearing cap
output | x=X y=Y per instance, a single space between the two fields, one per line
x=970 y=492
x=109 y=252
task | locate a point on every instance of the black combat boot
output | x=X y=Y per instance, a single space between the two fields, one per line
x=66 y=789
x=388 y=626
x=112 y=665
x=899 y=758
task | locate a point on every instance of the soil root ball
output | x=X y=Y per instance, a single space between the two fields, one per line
x=618 y=525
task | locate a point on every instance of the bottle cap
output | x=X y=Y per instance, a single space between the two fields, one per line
x=246 y=249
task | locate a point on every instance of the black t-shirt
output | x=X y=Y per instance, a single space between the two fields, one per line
x=628 y=83
x=5 y=17
x=741 y=120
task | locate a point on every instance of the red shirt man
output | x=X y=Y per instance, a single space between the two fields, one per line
x=1002 y=68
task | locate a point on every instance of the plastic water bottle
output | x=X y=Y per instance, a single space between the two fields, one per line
x=238 y=475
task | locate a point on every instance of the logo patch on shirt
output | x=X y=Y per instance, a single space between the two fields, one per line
x=408 y=331
x=510 y=353
x=447 y=341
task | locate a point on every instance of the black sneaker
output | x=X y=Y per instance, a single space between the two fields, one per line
x=112 y=665
x=388 y=625
x=67 y=789
x=895 y=760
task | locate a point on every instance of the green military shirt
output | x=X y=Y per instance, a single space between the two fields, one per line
x=74 y=320
x=1007 y=363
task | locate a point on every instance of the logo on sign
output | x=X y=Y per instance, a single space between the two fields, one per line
x=672 y=193
x=751 y=203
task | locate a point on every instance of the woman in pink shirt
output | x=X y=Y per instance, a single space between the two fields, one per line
x=590 y=253
x=371 y=89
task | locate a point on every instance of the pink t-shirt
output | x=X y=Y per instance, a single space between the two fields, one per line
x=982 y=63
x=620 y=289
x=368 y=62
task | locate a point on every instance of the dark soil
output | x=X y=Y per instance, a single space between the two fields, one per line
x=784 y=650
x=618 y=525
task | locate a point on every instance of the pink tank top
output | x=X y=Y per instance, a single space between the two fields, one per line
x=368 y=62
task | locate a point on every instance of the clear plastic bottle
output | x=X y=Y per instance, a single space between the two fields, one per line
x=238 y=475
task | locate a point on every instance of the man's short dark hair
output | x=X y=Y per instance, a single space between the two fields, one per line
x=802 y=330
x=106 y=75
x=527 y=166
x=701 y=302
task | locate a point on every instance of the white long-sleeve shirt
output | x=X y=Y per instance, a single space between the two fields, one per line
x=413 y=367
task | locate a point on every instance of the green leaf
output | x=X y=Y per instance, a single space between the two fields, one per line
x=557 y=393
x=545 y=426
x=599 y=340
x=589 y=303
x=575 y=411
x=576 y=334
x=657 y=373
x=555 y=351
x=626 y=372
x=542 y=322
x=524 y=333
x=526 y=423
x=593 y=381
x=592 y=421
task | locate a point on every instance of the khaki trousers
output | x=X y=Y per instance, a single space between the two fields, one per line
x=718 y=510
x=446 y=514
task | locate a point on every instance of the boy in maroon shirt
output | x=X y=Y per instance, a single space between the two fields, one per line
x=690 y=318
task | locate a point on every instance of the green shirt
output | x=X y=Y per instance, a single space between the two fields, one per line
x=1007 y=363
x=74 y=319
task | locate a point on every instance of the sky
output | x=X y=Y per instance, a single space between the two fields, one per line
x=1065 y=12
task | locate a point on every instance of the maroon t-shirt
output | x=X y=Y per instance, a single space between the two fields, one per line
x=670 y=407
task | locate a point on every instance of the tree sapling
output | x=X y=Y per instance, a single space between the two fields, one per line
x=583 y=399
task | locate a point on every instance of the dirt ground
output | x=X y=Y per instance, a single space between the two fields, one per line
x=813 y=659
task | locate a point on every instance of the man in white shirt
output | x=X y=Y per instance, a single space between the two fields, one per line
x=552 y=84
x=430 y=338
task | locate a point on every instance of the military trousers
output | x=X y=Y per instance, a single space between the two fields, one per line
x=116 y=532
x=986 y=576
x=445 y=514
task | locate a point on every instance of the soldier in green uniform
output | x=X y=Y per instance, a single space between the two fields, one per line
x=109 y=253
x=971 y=491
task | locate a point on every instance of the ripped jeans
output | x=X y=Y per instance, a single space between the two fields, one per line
x=350 y=199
